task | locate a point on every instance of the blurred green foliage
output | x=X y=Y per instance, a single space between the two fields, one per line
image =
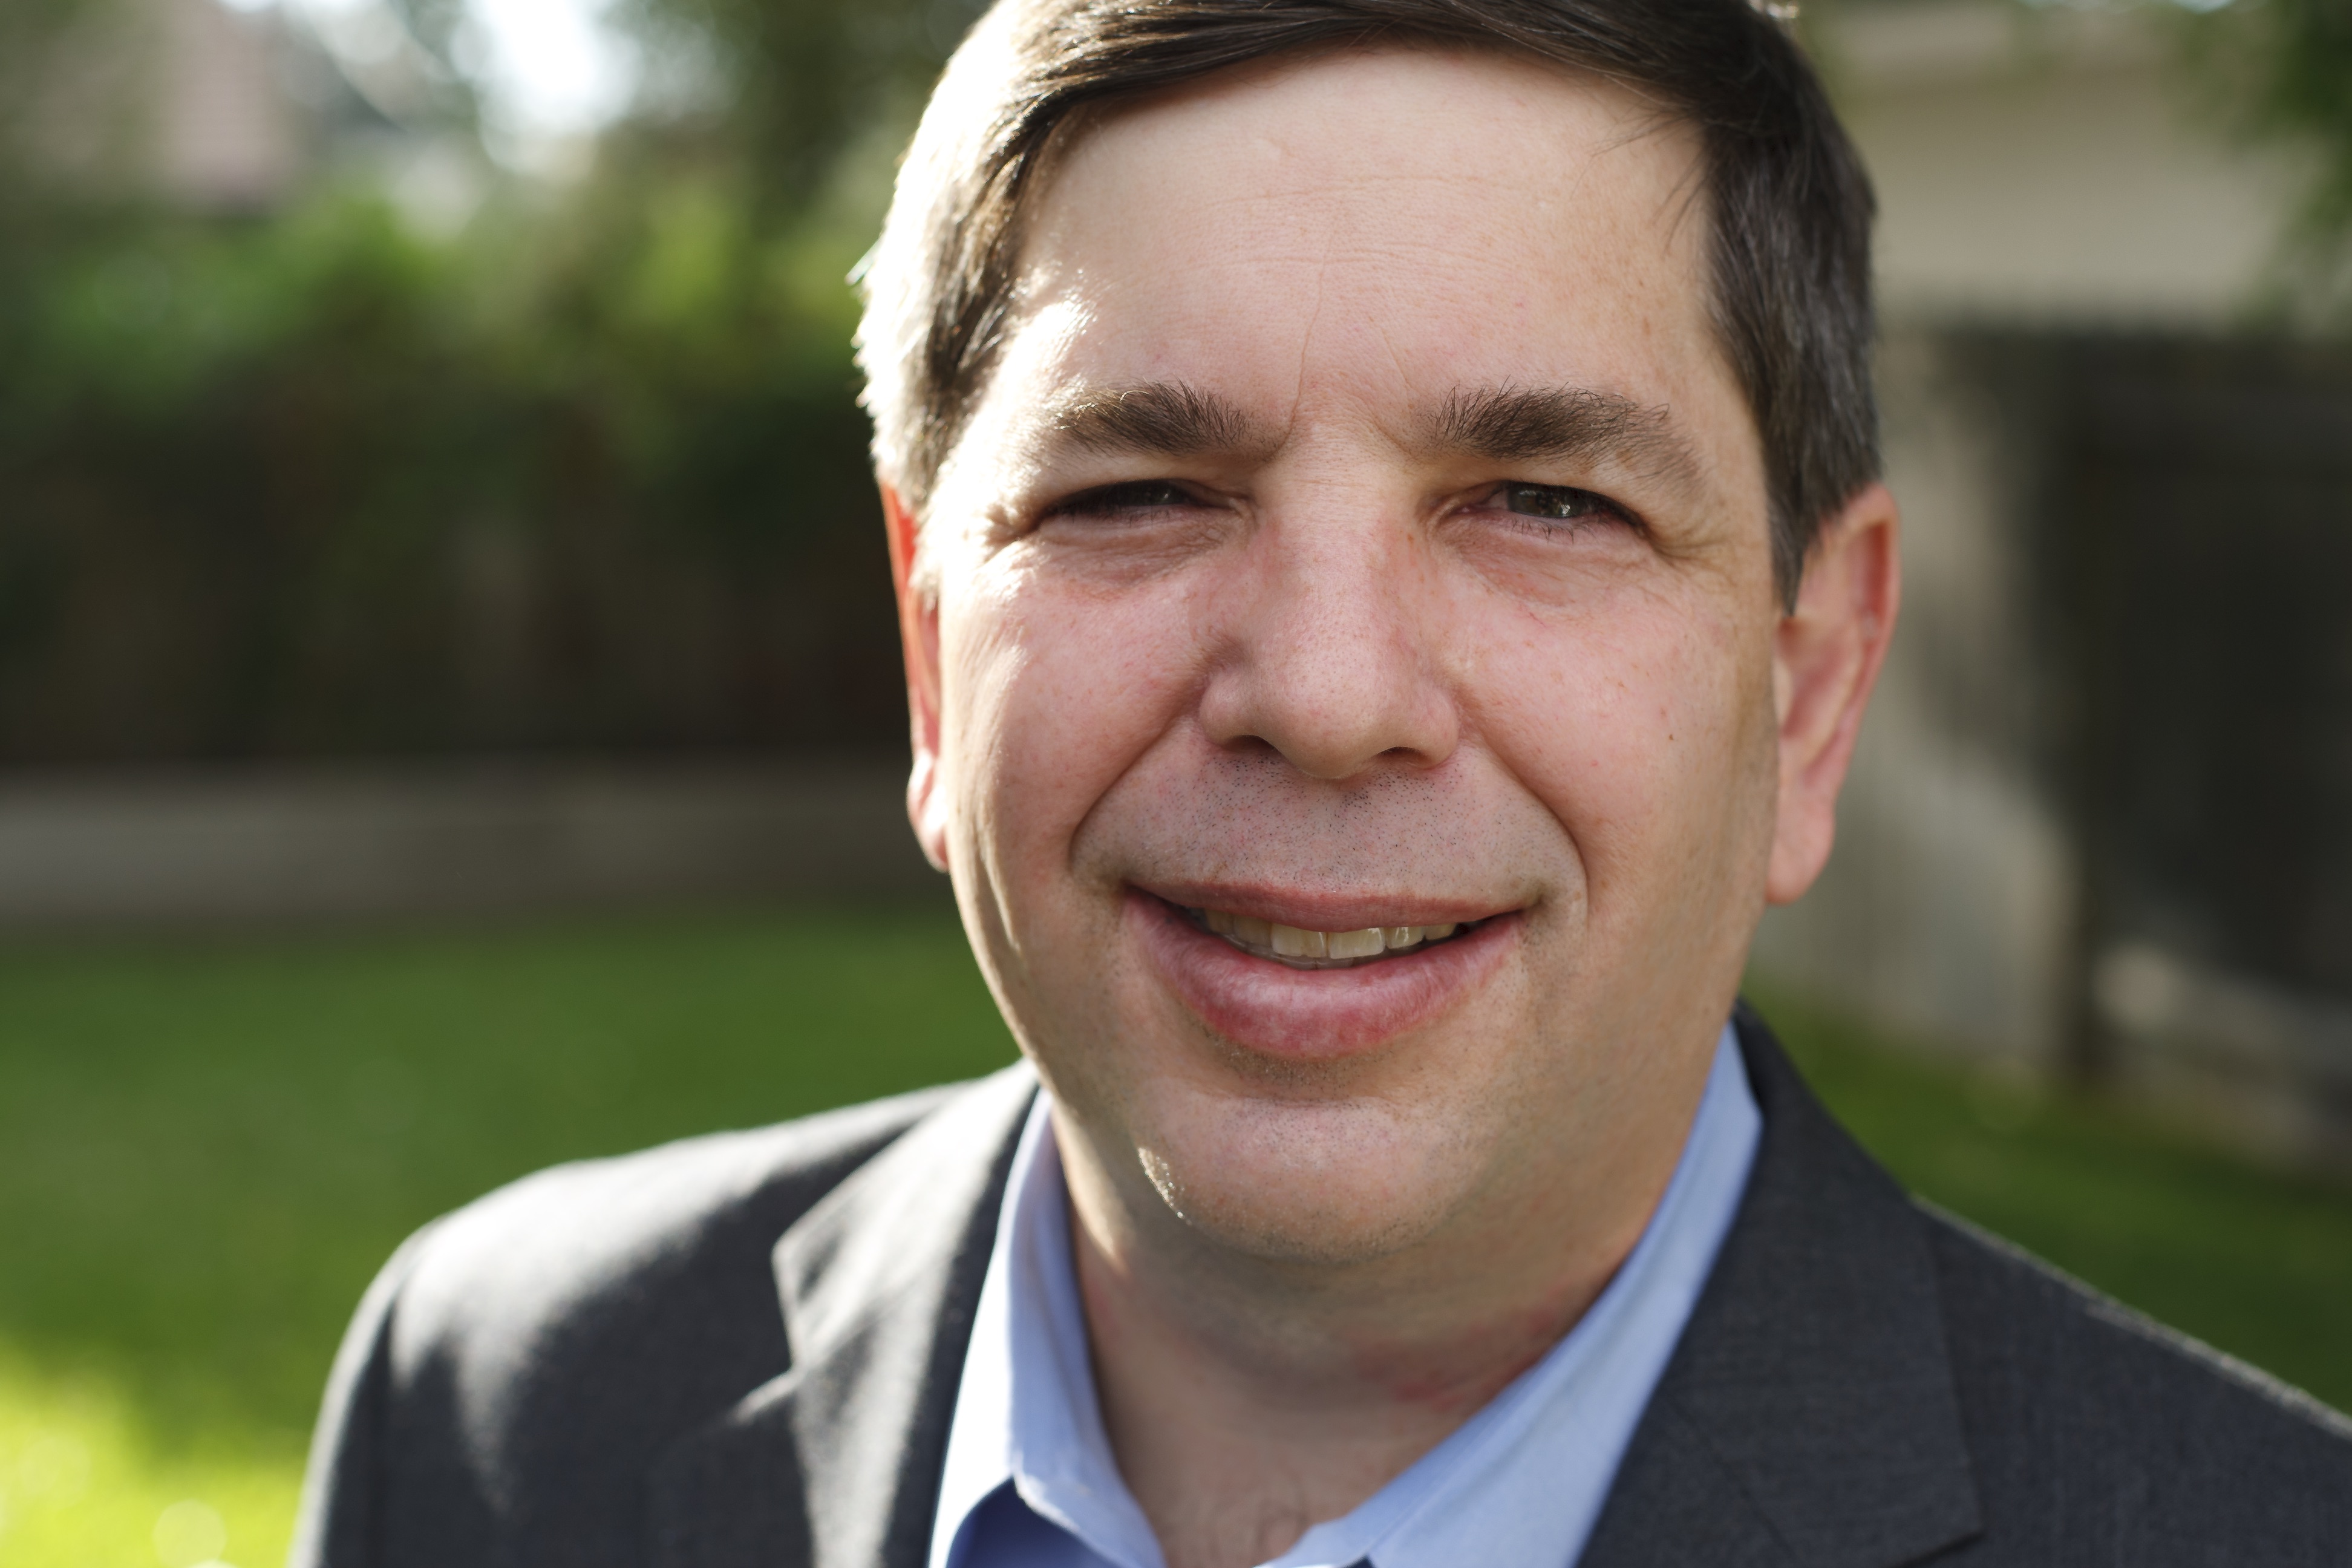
x=206 y=1149
x=2281 y=71
x=586 y=472
x=795 y=88
x=318 y=484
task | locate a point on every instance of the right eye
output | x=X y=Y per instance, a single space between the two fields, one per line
x=1127 y=501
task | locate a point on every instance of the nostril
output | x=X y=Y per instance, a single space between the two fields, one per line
x=1328 y=717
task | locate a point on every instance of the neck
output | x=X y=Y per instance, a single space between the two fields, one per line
x=1248 y=1398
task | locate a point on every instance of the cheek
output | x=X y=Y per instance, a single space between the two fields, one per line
x=1636 y=728
x=1052 y=696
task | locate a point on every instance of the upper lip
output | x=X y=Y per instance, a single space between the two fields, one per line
x=1324 y=911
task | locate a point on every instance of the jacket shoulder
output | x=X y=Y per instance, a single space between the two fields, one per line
x=566 y=1244
x=521 y=1361
x=2097 y=1435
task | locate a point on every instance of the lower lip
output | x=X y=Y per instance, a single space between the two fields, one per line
x=1312 y=1014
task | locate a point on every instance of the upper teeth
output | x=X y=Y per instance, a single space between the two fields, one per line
x=1291 y=941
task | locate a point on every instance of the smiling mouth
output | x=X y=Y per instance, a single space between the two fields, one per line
x=1301 y=949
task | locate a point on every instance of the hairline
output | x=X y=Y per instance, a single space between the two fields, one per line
x=1788 y=323
x=1090 y=115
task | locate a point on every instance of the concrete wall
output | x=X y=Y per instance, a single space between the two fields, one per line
x=224 y=130
x=184 y=99
x=289 y=848
x=1947 y=910
x=2050 y=165
x=2038 y=168
x=2044 y=174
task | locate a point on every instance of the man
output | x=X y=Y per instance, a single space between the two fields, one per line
x=1391 y=566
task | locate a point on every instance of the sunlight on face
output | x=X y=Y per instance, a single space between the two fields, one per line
x=1355 y=625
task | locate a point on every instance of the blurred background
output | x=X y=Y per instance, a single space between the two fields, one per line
x=450 y=721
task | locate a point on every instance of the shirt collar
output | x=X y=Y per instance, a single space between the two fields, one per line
x=1026 y=1411
x=1525 y=1476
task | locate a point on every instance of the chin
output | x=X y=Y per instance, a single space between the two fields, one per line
x=1324 y=1183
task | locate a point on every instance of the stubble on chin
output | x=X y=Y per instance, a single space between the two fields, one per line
x=1322 y=1180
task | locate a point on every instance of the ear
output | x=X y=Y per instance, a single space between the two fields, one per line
x=1825 y=659
x=918 y=639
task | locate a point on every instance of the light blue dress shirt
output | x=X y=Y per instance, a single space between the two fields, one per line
x=1030 y=1482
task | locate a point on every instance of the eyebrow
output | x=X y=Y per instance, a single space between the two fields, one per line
x=1503 y=425
x=1514 y=424
x=1160 y=418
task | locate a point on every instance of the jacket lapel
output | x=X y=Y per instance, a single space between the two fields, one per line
x=1808 y=1417
x=835 y=1463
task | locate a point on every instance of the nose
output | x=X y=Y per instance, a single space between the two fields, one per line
x=1330 y=656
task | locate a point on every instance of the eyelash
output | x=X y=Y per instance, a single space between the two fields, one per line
x=1590 y=507
x=1131 y=496
x=1125 y=498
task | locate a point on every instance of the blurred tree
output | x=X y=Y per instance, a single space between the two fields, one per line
x=2282 y=72
x=587 y=472
x=795 y=85
x=588 y=475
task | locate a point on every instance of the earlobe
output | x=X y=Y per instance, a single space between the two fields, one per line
x=1826 y=657
x=919 y=640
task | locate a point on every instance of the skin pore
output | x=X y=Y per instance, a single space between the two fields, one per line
x=1364 y=529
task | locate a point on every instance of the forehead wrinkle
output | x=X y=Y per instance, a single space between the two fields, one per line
x=1508 y=424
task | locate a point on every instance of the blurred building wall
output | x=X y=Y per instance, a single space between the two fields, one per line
x=2047 y=164
x=1948 y=908
x=183 y=100
x=2040 y=860
x=224 y=131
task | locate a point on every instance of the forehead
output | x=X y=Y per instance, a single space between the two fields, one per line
x=1347 y=234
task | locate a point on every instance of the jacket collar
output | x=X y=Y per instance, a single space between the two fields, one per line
x=835 y=1463
x=1808 y=1417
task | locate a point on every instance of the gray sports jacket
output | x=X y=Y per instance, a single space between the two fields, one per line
x=742 y=1349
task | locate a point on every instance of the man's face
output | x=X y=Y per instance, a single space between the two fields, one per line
x=1363 y=531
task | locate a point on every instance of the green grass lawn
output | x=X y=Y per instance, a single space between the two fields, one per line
x=206 y=1149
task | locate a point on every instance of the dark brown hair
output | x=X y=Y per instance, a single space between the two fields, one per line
x=1789 y=204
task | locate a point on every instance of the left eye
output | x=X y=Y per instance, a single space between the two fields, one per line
x=1556 y=503
x=1123 y=500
